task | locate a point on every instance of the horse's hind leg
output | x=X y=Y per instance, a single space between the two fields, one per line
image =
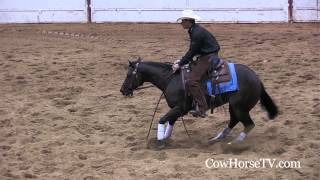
x=245 y=119
x=232 y=123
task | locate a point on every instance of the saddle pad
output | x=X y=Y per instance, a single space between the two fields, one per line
x=224 y=87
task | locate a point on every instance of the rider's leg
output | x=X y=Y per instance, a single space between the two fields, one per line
x=198 y=70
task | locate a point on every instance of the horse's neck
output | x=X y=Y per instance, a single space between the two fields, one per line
x=157 y=75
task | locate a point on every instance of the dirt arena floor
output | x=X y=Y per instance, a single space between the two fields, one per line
x=62 y=115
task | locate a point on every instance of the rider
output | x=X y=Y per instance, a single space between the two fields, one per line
x=203 y=45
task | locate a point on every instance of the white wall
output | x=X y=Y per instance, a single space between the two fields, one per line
x=209 y=10
x=248 y=11
x=136 y=10
x=306 y=10
x=241 y=10
x=42 y=11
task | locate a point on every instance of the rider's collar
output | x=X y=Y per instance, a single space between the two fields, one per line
x=191 y=28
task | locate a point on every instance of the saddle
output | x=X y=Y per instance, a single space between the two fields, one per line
x=219 y=74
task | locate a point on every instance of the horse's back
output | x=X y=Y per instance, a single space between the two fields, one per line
x=246 y=75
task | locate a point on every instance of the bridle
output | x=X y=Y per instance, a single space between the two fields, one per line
x=135 y=71
x=133 y=76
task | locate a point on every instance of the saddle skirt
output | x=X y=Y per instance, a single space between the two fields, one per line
x=222 y=80
x=217 y=87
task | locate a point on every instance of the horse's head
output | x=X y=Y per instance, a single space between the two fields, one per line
x=133 y=79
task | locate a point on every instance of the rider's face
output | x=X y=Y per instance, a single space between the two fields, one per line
x=186 y=24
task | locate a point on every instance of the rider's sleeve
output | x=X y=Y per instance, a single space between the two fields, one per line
x=193 y=49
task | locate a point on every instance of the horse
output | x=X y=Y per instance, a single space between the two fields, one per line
x=161 y=75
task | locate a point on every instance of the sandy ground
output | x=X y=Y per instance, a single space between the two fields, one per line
x=62 y=115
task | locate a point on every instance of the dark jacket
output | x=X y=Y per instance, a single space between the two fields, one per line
x=202 y=42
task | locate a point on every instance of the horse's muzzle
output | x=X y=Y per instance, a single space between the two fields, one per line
x=126 y=92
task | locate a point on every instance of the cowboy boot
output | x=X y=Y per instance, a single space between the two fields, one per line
x=199 y=114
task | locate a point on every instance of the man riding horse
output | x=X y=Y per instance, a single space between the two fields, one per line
x=205 y=46
x=250 y=88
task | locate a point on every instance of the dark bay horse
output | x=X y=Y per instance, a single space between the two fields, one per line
x=251 y=90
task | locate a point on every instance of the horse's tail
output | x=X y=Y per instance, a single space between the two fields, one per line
x=268 y=103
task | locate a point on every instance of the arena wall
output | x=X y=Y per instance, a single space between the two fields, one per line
x=163 y=11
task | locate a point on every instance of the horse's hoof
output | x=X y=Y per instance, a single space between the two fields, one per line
x=161 y=144
x=214 y=139
x=242 y=136
x=219 y=137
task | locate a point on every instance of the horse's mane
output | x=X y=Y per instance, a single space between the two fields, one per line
x=166 y=65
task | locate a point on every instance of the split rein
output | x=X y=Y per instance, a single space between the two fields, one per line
x=145 y=87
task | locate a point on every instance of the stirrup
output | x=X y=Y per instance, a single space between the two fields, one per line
x=198 y=113
x=195 y=107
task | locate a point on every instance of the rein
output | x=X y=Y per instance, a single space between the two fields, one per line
x=149 y=86
x=144 y=87
x=154 y=114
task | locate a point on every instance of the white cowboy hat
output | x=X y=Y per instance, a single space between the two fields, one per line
x=188 y=14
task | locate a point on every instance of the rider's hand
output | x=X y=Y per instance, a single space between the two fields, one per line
x=175 y=67
x=177 y=61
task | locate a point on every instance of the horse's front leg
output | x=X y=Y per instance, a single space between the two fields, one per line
x=164 y=132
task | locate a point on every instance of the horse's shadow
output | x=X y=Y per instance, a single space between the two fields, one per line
x=169 y=144
x=221 y=147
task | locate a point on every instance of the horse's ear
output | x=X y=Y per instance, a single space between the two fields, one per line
x=130 y=63
x=139 y=59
